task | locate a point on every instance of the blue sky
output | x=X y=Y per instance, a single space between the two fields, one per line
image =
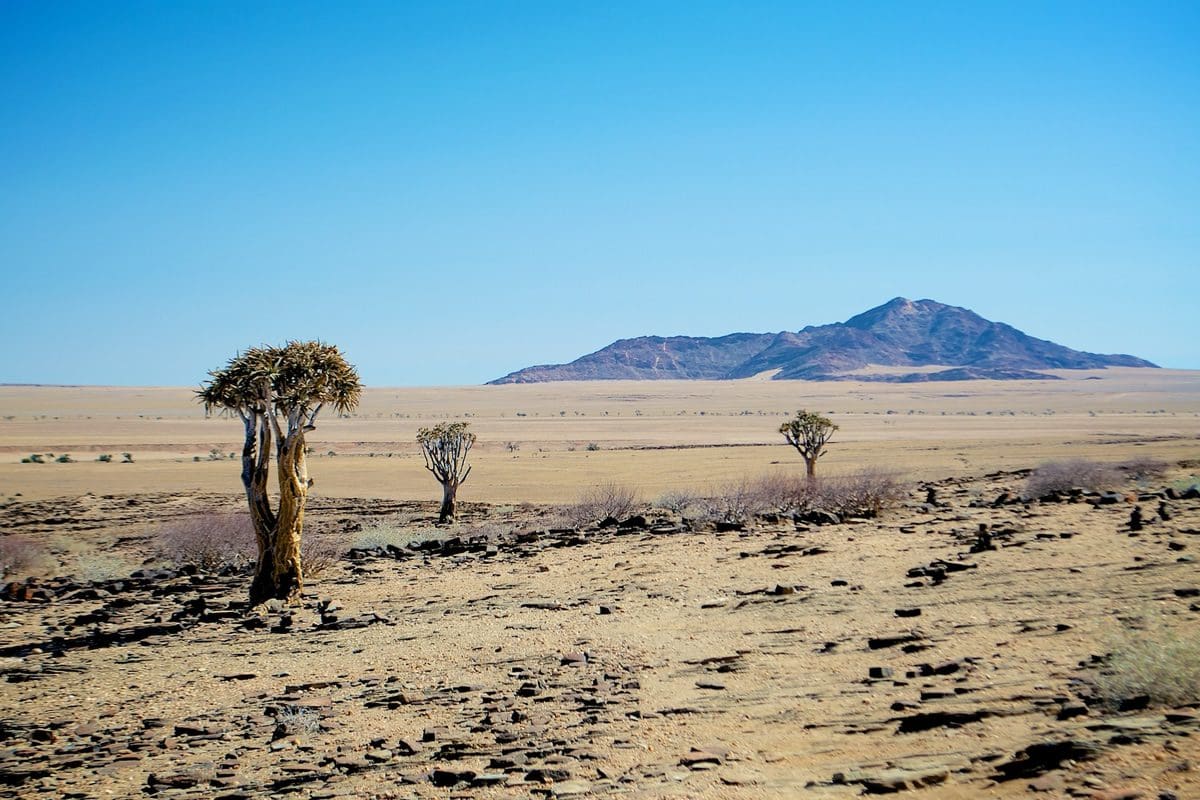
x=451 y=191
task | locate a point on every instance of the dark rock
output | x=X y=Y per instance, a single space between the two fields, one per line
x=1072 y=710
x=1042 y=757
x=940 y=719
x=408 y=747
x=944 y=668
x=1135 y=519
x=446 y=778
x=908 y=612
x=882 y=642
x=879 y=673
x=1136 y=703
x=818 y=517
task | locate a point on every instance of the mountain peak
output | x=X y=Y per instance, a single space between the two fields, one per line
x=900 y=333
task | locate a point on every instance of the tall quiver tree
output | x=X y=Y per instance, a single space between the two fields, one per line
x=445 y=447
x=809 y=432
x=278 y=392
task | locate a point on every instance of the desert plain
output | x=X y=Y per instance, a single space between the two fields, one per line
x=951 y=646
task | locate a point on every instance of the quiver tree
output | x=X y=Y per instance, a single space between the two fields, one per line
x=278 y=392
x=445 y=447
x=809 y=432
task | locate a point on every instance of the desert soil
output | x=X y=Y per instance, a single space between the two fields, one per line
x=507 y=656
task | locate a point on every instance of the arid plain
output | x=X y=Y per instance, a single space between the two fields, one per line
x=655 y=435
x=509 y=656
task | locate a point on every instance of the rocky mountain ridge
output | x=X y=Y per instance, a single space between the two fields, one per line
x=923 y=334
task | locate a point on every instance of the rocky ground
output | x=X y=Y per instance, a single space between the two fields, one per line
x=948 y=649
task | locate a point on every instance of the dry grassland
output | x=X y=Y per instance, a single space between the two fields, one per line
x=655 y=435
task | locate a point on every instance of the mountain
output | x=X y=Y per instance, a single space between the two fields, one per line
x=900 y=333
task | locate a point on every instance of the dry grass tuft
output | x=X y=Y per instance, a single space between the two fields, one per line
x=1149 y=660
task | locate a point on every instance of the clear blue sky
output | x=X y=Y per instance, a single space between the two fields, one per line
x=451 y=191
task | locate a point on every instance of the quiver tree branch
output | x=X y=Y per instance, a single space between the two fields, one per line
x=268 y=387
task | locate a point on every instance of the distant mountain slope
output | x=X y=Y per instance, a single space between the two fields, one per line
x=899 y=333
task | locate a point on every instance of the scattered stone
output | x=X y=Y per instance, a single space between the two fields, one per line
x=1043 y=757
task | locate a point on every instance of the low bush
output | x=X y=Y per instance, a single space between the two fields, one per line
x=211 y=542
x=601 y=502
x=733 y=502
x=1149 y=660
x=678 y=501
x=785 y=493
x=1144 y=468
x=865 y=493
x=1075 y=473
x=320 y=549
x=17 y=555
x=221 y=541
x=860 y=494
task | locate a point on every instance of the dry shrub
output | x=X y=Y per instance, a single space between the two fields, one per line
x=1075 y=473
x=224 y=541
x=211 y=542
x=734 y=502
x=1144 y=468
x=677 y=501
x=601 y=502
x=859 y=494
x=320 y=549
x=1150 y=660
x=17 y=554
x=784 y=493
x=865 y=493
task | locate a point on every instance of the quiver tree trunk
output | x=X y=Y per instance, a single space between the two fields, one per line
x=279 y=574
x=268 y=387
x=449 y=501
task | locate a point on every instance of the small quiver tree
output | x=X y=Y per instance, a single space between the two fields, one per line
x=445 y=447
x=278 y=392
x=809 y=432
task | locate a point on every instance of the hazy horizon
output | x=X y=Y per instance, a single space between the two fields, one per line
x=451 y=192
